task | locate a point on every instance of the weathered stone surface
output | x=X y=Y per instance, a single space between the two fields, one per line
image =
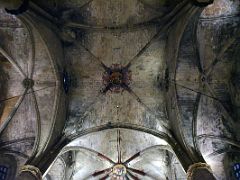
x=88 y=107
x=196 y=59
x=222 y=8
x=28 y=112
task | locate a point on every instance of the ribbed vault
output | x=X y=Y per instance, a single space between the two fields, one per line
x=30 y=87
x=116 y=89
x=143 y=155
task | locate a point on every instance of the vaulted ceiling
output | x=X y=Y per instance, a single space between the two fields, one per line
x=142 y=88
x=117 y=80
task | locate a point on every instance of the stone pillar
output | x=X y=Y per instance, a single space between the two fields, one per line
x=200 y=171
x=29 y=172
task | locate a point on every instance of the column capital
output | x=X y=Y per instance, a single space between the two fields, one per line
x=11 y=4
x=200 y=171
x=203 y=2
x=32 y=170
x=15 y=7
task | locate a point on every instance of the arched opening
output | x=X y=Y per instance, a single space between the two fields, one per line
x=118 y=153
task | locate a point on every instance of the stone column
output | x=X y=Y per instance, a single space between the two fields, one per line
x=200 y=171
x=29 y=172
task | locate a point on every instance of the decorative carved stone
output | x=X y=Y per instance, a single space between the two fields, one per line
x=28 y=83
